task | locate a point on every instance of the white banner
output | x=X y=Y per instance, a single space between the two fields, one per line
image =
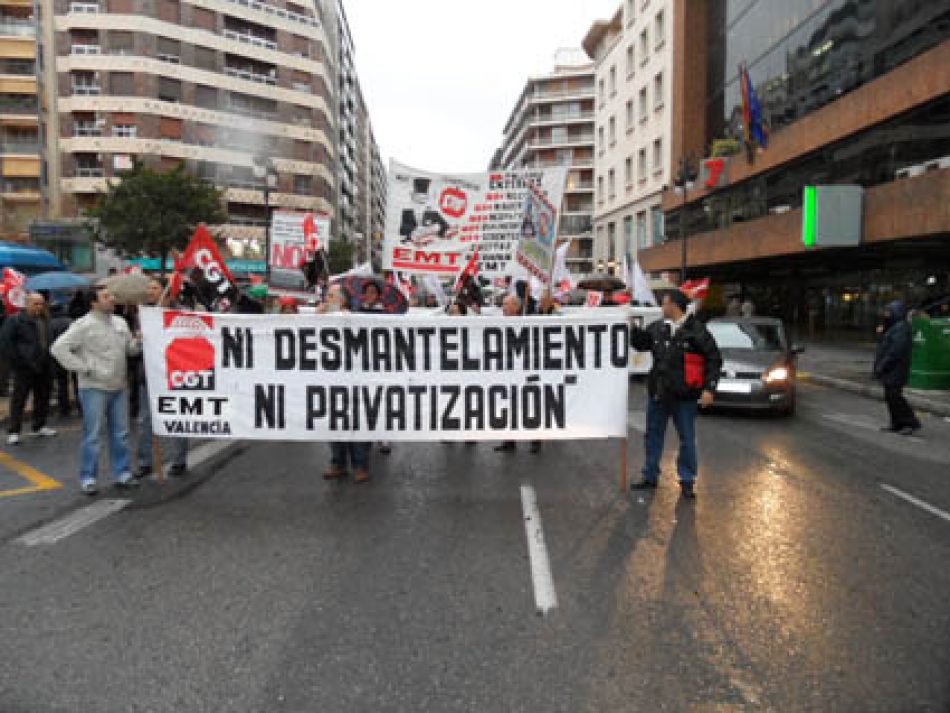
x=434 y=220
x=355 y=377
x=293 y=235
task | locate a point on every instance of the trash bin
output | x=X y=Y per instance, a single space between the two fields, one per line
x=930 y=366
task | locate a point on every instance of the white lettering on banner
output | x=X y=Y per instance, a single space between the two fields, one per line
x=212 y=270
x=371 y=377
x=433 y=221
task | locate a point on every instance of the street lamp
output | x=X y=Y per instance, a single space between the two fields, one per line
x=683 y=183
x=266 y=174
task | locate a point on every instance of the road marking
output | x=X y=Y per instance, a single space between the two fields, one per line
x=207 y=451
x=917 y=501
x=72 y=523
x=545 y=598
x=40 y=481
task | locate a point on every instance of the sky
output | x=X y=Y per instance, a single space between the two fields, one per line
x=441 y=78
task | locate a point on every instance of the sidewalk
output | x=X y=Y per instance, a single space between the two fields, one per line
x=848 y=367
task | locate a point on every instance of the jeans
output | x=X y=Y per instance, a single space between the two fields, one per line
x=683 y=413
x=356 y=454
x=24 y=382
x=113 y=408
x=902 y=415
x=175 y=448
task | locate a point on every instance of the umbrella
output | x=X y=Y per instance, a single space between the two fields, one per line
x=57 y=281
x=392 y=300
x=130 y=289
x=601 y=283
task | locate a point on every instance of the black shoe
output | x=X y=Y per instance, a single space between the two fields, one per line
x=889 y=429
x=536 y=446
x=908 y=430
x=127 y=484
x=686 y=490
x=644 y=485
x=506 y=447
x=143 y=472
x=178 y=470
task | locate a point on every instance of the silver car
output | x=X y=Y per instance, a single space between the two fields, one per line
x=758 y=369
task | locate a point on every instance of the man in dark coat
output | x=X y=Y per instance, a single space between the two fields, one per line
x=892 y=368
x=26 y=342
x=686 y=367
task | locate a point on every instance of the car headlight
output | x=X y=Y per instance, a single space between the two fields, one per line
x=775 y=375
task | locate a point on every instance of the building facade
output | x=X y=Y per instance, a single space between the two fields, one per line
x=20 y=146
x=632 y=57
x=552 y=125
x=855 y=92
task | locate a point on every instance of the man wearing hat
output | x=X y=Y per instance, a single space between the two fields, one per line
x=686 y=367
x=422 y=224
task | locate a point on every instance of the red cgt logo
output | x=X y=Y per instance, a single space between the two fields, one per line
x=453 y=202
x=189 y=360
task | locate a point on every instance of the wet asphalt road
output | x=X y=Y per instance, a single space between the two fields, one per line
x=795 y=582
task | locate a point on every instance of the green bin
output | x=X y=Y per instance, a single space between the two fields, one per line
x=930 y=367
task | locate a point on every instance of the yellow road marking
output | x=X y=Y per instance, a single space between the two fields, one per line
x=40 y=481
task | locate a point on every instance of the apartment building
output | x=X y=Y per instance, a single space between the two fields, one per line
x=552 y=124
x=241 y=93
x=20 y=154
x=632 y=59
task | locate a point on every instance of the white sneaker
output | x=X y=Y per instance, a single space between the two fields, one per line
x=13 y=439
x=45 y=432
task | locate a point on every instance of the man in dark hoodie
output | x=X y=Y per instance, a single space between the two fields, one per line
x=686 y=366
x=892 y=368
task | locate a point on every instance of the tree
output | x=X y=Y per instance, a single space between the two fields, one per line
x=341 y=256
x=151 y=213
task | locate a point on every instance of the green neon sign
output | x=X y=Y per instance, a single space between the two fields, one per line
x=810 y=217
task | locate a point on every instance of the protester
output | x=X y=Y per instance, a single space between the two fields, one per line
x=26 y=340
x=523 y=293
x=892 y=368
x=748 y=308
x=58 y=324
x=470 y=293
x=334 y=301
x=548 y=306
x=288 y=305
x=177 y=448
x=511 y=307
x=686 y=366
x=96 y=347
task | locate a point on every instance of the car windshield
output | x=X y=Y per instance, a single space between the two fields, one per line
x=737 y=335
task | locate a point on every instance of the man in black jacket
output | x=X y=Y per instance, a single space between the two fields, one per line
x=686 y=366
x=892 y=368
x=26 y=341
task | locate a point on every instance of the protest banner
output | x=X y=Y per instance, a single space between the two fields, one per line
x=535 y=251
x=433 y=220
x=293 y=235
x=356 y=377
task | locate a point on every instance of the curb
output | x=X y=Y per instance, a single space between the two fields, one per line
x=873 y=391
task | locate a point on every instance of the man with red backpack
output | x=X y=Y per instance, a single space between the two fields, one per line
x=686 y=367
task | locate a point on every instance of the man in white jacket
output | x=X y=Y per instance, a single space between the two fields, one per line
x=96 y=347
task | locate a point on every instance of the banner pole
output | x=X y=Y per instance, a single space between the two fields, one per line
x=157 y=458
x=623 y=465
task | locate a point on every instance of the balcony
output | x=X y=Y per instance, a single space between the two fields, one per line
x=250 y=76
x=85 y=49
x=10 y=105
x=20 y=147
x=83 y=7
x=86 y=90
x=579 y=187
x=11 y=27
x=277 y=12
x=88 y=172
x=249 y=39
x=562 y=141
x=87 y=129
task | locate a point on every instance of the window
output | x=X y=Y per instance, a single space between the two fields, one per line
x=169 y=90
x=85 y=83
x=630 y=11
x=600 y=189
x=613 y=81
x=206 y=97
x=643 y=105
x=631 y=61
x=121 y=42
x=642 y=165
x=659 y=29
x=659 y=225
x=125 y=131
x=643 y=239
x=206 y=58
x=611 y=242
x=628 y=172
x=657 y=155
x=600 y=139
x=122 y=84
x=627 y=235
x=630 y=116
x=644 y=46
x=303 y=185
x=601 y=92
x=658 y=91
x=611 y=184
x=612 y=130
x=169 y=50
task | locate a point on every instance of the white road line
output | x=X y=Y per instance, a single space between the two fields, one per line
x=206 y=451
x=917 y=501
x=545 y=598
x=72 y=523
